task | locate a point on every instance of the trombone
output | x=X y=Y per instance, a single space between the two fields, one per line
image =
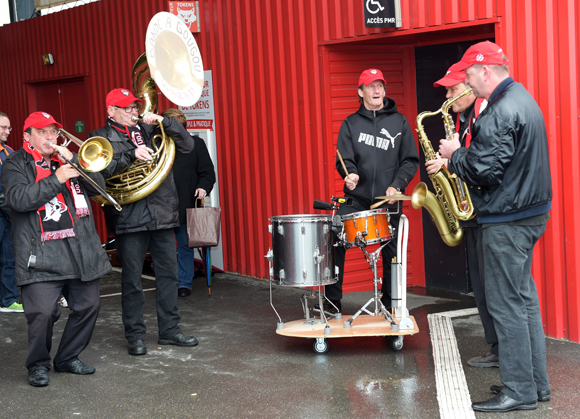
x=94 y=155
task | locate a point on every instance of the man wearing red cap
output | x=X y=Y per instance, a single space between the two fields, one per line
x=508 y=170
x=146 y=224
x=380 y=154
x=8 y=289
x=55 y=246
x=468 y=109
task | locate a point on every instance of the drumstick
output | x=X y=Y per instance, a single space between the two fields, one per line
x=397 y=197
x=341 y=161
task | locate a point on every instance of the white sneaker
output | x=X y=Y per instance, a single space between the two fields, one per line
x=62 y=302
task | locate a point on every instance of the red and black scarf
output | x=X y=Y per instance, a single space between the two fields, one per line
x=56 y=221
x=134 y=133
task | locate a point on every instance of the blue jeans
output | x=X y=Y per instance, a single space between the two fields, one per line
x=184 y=258
x=8 y=289
x=512 y=301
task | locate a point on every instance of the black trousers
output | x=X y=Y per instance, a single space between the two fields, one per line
x=41 y=310
x=334 y=291
x=132 y=249
x=473 y=236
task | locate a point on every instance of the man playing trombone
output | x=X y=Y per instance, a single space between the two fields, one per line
x=147 y=223
x=55 y=246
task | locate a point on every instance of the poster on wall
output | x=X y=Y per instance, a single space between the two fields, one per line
x=188 y=11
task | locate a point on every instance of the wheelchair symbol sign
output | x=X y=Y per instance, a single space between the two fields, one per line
x=374 y=6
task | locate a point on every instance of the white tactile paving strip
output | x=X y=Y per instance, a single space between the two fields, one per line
x=452 y=391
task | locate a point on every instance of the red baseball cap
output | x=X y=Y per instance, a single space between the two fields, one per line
x=482 y=53
x=121 y=97
x=370 y=75
x=452 y=77
x=39 y=120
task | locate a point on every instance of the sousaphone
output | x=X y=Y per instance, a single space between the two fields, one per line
x=173 y=63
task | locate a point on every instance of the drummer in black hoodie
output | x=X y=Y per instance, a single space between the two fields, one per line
x=380 y=154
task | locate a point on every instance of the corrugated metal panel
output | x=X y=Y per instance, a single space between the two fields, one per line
x=273 y=106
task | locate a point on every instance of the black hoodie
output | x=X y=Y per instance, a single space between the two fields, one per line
x=392 y=160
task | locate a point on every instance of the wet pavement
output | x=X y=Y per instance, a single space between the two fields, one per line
x=243 y=369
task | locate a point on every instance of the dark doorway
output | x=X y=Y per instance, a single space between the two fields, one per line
x=445 y=267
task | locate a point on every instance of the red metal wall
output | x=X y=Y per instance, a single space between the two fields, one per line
x=273 y=111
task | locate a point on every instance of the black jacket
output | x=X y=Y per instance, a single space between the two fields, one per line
x=158 y=210
x=393 y=161
x=75 y=257
x=507 y=164
x=192 y=171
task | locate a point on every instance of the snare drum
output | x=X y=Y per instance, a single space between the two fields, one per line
x=302 y=250
x=372 y=226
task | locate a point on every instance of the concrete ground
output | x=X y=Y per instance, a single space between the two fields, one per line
x=243 y=369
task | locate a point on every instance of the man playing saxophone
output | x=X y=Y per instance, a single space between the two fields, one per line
x=468 y=109
x=146 y=224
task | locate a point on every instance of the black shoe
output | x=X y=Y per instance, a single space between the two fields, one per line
x=486 y=361
x=503 y=403
x=137 y=347
x=183 y=292
x=179 y=340
x=328 y=308
x=38 y=378
x=76 y=367
x=543 y=396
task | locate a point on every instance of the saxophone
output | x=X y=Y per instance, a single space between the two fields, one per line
x=451 y=201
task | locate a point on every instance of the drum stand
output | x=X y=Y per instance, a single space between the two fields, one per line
x=304 y=299
x=372 y=259
x=398 y=281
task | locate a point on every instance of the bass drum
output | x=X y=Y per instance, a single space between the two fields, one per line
x=303 y=252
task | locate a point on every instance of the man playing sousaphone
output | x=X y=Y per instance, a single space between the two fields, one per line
x=147 y=223
x=380 y=154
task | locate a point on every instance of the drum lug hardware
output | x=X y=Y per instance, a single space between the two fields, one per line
x=317 y=257
x=304 y=273
x=282 y=275
x=375 y=220
x=326 y=272
x=270 y=228
x=325 y=229
x=354 y=222
x=303 y=230
x=280 y=229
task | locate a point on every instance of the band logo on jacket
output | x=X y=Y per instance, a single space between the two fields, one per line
x=382 y=143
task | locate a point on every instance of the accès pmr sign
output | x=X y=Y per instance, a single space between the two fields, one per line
x=382 y=13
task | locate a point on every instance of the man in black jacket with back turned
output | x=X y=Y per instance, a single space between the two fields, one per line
x=507 y=167
x=194 y=179
x=380 y=154
x=146 y=224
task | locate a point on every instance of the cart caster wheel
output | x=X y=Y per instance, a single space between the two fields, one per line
x=397 y=343
x=320 y=346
